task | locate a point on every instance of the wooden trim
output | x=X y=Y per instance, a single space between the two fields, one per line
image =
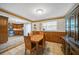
x=21 y=17
x=49 y=19
x=8 y=12
x=55 y=37
x=72 y=9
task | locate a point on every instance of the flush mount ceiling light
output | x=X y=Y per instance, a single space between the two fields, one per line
x=39 y=11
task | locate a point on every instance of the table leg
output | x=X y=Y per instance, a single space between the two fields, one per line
x=37 y=48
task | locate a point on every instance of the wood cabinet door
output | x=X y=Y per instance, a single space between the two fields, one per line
x=3 y=29
x=77 y=26
x=72 y=26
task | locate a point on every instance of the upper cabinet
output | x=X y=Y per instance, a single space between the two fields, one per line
x=18 y=26
x=18 y=29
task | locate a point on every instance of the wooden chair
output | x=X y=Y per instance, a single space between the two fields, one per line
x=42 y=43
x=29 y=45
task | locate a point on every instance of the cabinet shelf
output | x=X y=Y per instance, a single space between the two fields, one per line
x=72 y=29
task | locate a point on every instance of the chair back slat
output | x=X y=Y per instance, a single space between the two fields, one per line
x=27 y=42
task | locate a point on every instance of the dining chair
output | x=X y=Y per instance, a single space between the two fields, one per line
x=42 y=43
x=29 y=45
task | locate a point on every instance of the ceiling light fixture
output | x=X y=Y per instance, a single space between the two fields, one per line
x=39 y=11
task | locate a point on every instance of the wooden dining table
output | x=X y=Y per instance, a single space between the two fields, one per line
x=36 y=39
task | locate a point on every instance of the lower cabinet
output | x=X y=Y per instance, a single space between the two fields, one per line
x=71 y=48
x=66 y=48
x=18 y=32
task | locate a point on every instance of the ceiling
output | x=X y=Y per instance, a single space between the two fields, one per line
x=27 y=10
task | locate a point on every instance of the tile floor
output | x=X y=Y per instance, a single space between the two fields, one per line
x=12 y=41
x=50 y=49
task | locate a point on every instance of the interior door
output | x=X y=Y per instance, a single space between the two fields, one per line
x=3 y=29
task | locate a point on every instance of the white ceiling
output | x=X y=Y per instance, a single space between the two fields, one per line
x=27 y=9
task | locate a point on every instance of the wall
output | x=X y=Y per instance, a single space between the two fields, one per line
x=55 y=37
x=60 y=25
x=38 y=26
x=13 y=19
x=27 y=29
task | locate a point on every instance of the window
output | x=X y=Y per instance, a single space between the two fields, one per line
x=50 y=26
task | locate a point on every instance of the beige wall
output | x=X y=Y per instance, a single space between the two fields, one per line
x=13 y=19
x=60 y=25
x=38 y=26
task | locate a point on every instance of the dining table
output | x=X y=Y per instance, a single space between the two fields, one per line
x=36 y=39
